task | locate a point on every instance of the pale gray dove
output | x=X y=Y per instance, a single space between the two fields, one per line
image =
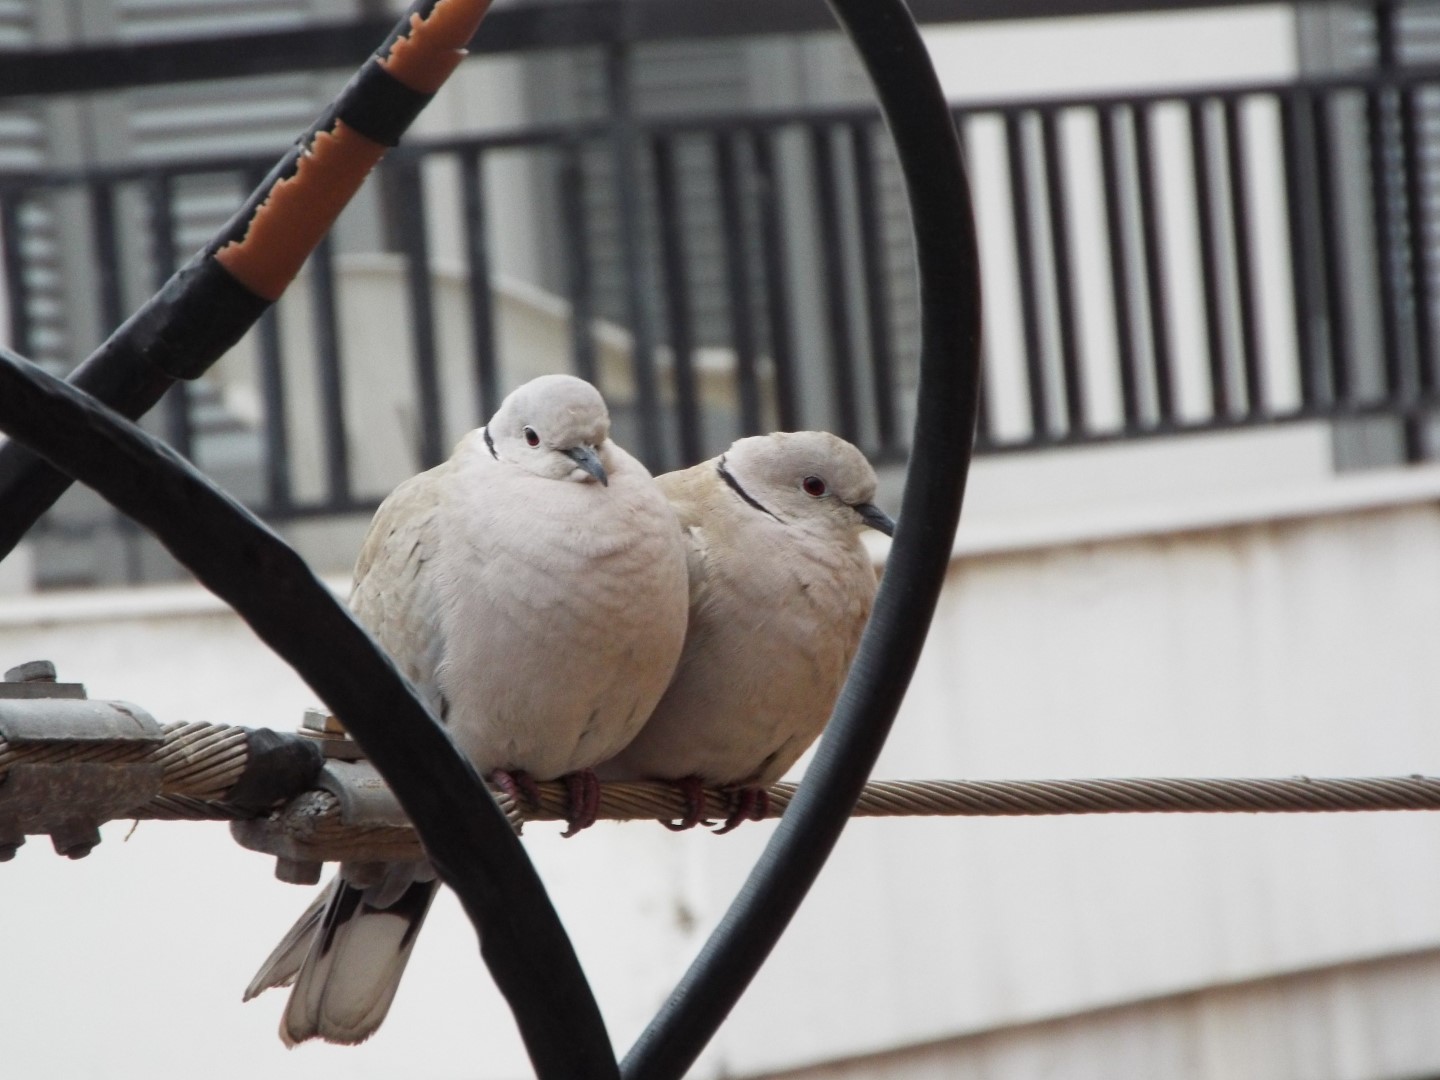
x=533 y=589
x=780 y=588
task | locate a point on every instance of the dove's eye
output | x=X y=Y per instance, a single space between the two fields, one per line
x=813 y=486
x=531 y=438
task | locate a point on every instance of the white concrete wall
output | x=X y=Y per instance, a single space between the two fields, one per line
x=1264 y=649
x=1257 y=647
x=1371 y=1018
x=1209 y=606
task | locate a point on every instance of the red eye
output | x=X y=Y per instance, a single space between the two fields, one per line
x=813 y=486
x=531 y=439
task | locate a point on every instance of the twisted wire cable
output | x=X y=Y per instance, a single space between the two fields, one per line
x=202 y=763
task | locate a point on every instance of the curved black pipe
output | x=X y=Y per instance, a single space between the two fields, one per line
x=202 y=310
x=946 y=251
x=240 y=560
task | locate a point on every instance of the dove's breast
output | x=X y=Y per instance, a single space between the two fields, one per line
x=563 y=611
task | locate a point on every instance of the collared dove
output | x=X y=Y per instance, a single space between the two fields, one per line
x=780 y=588
x=533 y=589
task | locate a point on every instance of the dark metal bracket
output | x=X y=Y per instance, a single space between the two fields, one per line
x=293 y=833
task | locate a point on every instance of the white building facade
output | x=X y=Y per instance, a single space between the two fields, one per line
x=1241 y=603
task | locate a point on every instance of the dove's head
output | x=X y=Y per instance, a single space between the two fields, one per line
x=555 y=426
x=811 y=479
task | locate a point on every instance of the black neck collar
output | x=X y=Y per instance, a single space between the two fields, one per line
x=729 y=478
x=489 y=442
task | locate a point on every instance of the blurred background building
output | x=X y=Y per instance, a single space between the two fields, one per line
x=1200 y=538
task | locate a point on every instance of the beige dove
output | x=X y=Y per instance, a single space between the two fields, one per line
x=534 y=590
x=780 y=588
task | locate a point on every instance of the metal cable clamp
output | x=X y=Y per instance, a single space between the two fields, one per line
x=64 y=798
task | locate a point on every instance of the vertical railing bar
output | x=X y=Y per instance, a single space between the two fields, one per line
x=737 y=279
x=1390 y=151
x=17 y=290
x=1391 y=256
x=775 y=262
x=579 y=281
x=1207 y=220
x=877 y=297
x=278 y=492
x=415 y=246
x=1028 y=266
x=1301 y=201
x=1417 y=206
x=1121 y=262
x=677 y=299
x=107 y=255
x=112 y=313
x=1238 y=178
x=1332 y=261
x=326 y=324
x=477 y=265
x=984 y=429
x=625 y=155
x=833 y=272
x=159 y=195
x=1152 y=241
x=984 y=437
x=1064 y=274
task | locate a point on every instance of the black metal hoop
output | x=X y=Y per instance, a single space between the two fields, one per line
x=946 y=250
x=527 y=951
x=234 y=555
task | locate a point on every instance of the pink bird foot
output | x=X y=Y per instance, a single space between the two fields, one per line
x=751 y=804
x=519 y=785
x=693 y=789
x=584 y=800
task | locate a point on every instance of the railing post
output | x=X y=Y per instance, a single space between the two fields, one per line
x=17 y=295
x=681 y=329
x=328 y=358
x=160 y=196
x=477 y=262
x=1392 y=160
x=415 y=242
x=619 y=93
x=579 y=284
x=738 y=281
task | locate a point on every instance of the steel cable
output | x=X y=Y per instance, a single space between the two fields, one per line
x=202 y=762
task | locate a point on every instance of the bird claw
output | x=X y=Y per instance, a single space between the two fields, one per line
x=519 y=785
x=584 y=800
x=693 y=790
x=751 y=804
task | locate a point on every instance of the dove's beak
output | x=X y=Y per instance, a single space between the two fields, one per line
x=876 y=518
x=587 y=459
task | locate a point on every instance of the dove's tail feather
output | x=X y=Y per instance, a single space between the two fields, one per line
x=345 y=958
x=284 y=962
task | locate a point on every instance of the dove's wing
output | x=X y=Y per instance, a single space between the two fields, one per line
x=346 y=954
x=395 y=595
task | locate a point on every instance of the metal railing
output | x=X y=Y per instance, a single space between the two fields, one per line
x=1157 y=263
x=733 y=297
x=1248 y=273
